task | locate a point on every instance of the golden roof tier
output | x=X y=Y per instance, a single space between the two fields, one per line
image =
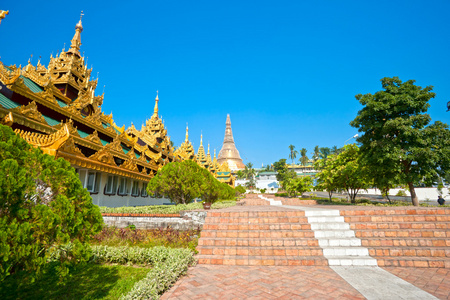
x=229 y=153
x=186 y=150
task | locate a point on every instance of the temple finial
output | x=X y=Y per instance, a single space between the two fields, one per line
x=155 y=110
x=3 y=14
x=187 y=134
x=201 y=139
x=76 y=40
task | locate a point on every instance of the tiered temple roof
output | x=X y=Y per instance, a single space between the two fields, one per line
x=55 y=108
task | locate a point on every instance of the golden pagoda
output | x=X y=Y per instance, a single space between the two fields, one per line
x=201 y=156
x=186 y=150
x=229 y=153
x=55 y=108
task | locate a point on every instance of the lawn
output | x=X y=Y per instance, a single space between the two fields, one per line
x=89 y=281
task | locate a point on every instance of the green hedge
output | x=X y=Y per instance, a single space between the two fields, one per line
x=165 y=209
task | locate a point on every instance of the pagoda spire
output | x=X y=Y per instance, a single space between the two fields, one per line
x=229 y=153
x=76 y=40
x=155 y=110
x=187 y=134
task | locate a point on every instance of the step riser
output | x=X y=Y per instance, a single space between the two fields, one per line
x=262 y=220
x=403 y=234
x=331 y=226
x=409 y=252
x=259 y=243
x=258 y=214
x=397 y=219
x=339 y=242
x=261 y=252
x=323 y=234
x=405 y=243
x=330 y=219
x=256 y=227
x=352 y=262
x=401 y=226
x=346 y=251
x=258 y=234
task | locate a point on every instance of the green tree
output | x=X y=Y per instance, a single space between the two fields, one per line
x=303 y=158
x=335 y=150
x=324 y=152
x=279 y=164
x=316 y=154
x=249 y=172
x=293 y=153
x=326 y=178
x=298 y=185
x=344 y=172
x=240 y=174
x=240 y=190
x=44 y=210
x=179 y=181
x=398 y=141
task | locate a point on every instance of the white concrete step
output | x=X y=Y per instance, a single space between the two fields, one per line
x=326 y=219
x=351 y=261
x=317 y=213
x=330 y=225
x=347 y=251
x=336 y=242
x=319 y=234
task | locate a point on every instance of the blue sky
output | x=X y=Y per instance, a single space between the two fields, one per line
x=286 y=71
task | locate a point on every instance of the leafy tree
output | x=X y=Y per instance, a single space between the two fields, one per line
x=326 y=178
x=293 y=153
x=298 y=185
x=44 y=210
x=303 y=158
x=344 y=172
x=398 y=141
x=335 y=150
x=240 y=174
x=179 y=181
x=324 y=152
x=279 y=164
x=249 y=172
x=316 y=154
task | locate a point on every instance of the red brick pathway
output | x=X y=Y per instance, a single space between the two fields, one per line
x=435 y=281
x=254 y=282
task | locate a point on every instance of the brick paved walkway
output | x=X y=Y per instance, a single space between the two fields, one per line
x=291 y=282
x=435 y=281
x=254 y=282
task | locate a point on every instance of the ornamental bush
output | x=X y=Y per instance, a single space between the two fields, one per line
x=43 y=209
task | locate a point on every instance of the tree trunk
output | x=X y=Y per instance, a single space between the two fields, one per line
x=414 y=198
x=330 y=193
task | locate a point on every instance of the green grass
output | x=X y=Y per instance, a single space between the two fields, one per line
x=165 y=209
x=89 y=281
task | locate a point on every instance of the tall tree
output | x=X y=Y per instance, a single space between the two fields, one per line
x=316 y=155
x=303 y=158
x=398 y=141
x=324 y=152
x=293 y=153
x=344 y=171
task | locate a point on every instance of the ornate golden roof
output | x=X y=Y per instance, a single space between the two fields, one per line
x=229 y=153
x=186 y=150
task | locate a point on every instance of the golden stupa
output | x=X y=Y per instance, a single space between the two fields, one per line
x=229 y=153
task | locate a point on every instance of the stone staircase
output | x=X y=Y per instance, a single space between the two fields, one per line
x=404 y=237
x=261 y=237
x=339 y=244
x=358 y=236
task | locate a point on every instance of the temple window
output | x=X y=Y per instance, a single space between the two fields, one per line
x=123 y=191
x=110 y=187
x=135 y=189
x=93 y=181
x=144 y=190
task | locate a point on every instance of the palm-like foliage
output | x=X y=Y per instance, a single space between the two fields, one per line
x=303 y=158
x=249 y=172
x=293 y=153
x=316 y=155
x=324 y=152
